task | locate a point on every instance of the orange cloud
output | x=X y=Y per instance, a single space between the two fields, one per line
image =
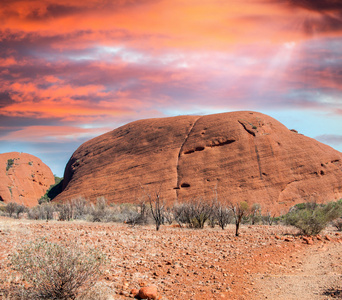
x=192 y=24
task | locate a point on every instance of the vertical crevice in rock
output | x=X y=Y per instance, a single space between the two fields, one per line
x=180 y=152
x=258 y=160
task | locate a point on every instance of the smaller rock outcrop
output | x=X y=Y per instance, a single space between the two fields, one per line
x=24 y=178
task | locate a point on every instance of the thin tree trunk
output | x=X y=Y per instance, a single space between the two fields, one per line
x=237 y=225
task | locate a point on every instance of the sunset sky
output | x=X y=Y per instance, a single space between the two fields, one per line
x=72 y=70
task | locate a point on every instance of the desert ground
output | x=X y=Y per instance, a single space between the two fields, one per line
x=264 y=262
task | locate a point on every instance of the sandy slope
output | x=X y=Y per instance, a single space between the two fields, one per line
x=317 y=271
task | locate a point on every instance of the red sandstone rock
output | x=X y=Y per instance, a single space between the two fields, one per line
x=134 y=292
x=308 y=240
x=24 y=181
x=148 y=292
x=241 y=155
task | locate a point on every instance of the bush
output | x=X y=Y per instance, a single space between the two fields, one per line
x=139 y=216
x=193 y=213
x=42 y=212
x=313 y=218
x=10 y=163
x=11 y=208
x=79 y=208
x=65 y=211
x=223 y=214
x=55 y=271
x=100 y=212
x=268 y=219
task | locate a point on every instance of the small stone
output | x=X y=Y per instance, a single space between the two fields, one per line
x=308 y=240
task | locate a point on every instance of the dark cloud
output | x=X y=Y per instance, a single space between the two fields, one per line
x=52 y=9
x=320 y=6
x=328 y=16
x=5 y=99
x=19 y=122
x=55 y=11
x=327 y=23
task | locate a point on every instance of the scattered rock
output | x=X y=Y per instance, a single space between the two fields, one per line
x=148 y=292
x=308 y=240
x=134 y=292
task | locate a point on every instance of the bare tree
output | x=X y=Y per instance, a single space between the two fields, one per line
x=255 y=214
x=10 y=208
x=19 y=209
x=79 y=208
x=240 y=210
x=268 y=219
x=65 y=211
x=168 y=215
x=178 y=211
x=222 y=213
x=199 y=212
x=157 y=208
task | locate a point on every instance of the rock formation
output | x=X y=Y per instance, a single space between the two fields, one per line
x=237 y=156
x=24 y=178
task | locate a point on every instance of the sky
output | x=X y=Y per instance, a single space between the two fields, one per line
x=71 y=70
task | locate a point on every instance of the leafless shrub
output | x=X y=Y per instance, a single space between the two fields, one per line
x=240 y=210
x=79 y=208
x=141 y=216
x=212 y=220
x=193 y=213
x=42 y=212
x=223 y=214
x=10 y=208
x=268 y=218
x=255 y=214
x=99 y=212
x=168 y=215
x=157 y=208
x=179 y=214
x=65 y=211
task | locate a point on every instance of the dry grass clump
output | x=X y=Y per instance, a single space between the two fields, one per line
x=56 y=271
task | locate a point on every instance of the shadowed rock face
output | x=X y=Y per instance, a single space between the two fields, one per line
x=24 y=178
x=240 y=156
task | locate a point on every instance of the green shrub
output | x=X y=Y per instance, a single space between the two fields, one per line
x=56 y=271
x=312 y=219
x=53 y=191
x=10 y=163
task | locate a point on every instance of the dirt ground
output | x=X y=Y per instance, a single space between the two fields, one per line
x=265 y=262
